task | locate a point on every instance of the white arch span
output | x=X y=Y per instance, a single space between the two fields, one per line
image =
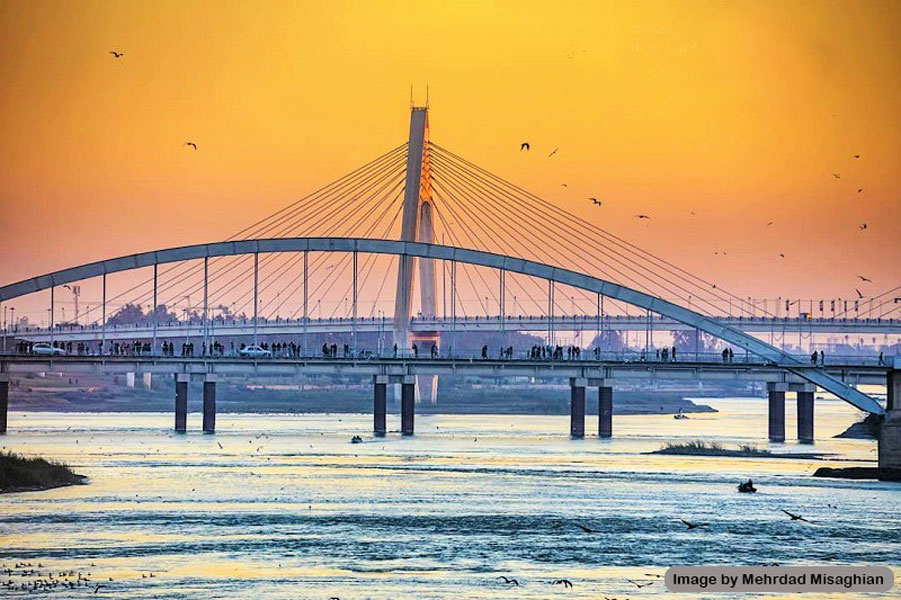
x=463 y=255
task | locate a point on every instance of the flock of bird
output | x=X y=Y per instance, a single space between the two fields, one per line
x=525 y=146
x=32 y=578
x=638 y=584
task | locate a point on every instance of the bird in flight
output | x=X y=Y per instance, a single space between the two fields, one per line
x=794 y=517
x=781 y=255
x=862 y=278
x=770 y=223
x=564 y=185
x=862 y=226
x=642 y=217
x=524 y=146
x=857 y=156
x=564 y=582
x=859 y=190
x=586 y=529
x=640 y=585
x=692 y=213
x=836 y=175
x=191 y=144
x=510 y=581
x=595 y=201
x=117 y=54
x=693 y=525
x=553 y=152
x=220 y=446
x=859 y=295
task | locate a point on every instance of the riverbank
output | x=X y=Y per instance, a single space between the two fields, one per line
x=21 y=474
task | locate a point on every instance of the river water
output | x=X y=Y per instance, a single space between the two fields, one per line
x=283 y=506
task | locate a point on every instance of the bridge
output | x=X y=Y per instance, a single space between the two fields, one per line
x=547 y=257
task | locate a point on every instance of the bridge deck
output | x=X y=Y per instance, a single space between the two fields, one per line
x=399 y=367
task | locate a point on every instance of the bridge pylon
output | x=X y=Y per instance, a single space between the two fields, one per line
x=417 y=226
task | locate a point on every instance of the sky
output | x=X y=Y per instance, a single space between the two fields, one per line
x=738 y=112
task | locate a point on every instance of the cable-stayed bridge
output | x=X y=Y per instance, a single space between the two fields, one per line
x=417 y=245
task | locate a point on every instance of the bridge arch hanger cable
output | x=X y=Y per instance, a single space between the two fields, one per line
x=493 y=227
x=555 y=246
x=329 y=201
x=600 y=239
x=340 y=221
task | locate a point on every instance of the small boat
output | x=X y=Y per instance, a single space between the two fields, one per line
x=356 y=440
x=747 y=487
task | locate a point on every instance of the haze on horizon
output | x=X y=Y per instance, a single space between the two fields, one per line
x=738 y=112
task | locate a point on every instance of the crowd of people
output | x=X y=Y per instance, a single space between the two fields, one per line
x=286 y=349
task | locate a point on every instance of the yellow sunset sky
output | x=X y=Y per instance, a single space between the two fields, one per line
x=738 y=111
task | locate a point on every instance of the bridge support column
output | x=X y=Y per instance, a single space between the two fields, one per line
x=209 y=404
x=893 y=387
x=890 y=430
x=380 y=405
x=776 y=394
x=147 y=378
x=805 y=413
x=407 y=404
x=605 y=411
x=890 y=446
x=4 y=400
x=577 y=407
x=181 y=402
x=129 y=380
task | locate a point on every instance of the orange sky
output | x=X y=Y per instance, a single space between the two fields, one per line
x=738 y=111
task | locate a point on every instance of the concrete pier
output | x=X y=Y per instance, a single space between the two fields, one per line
x=130 y=380
x=4 y=400
x=776 y=393
x=209 y=404
x=805 y=413
x=147 y=378
x=890 y=430
x=380 y=405
x=605 y=411
x=181 y=402
x=890 y=446
x=407 y=404
x=577 y=407
x=893 y=387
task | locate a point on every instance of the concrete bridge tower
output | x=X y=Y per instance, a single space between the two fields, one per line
x=417 y=225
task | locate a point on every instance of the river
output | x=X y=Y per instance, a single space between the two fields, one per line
x=284 y=506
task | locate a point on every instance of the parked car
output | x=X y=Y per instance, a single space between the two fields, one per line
x=254 y=352
x=45 y=349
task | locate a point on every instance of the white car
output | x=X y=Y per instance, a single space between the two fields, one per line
x=45 y=349
x=254 y=352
